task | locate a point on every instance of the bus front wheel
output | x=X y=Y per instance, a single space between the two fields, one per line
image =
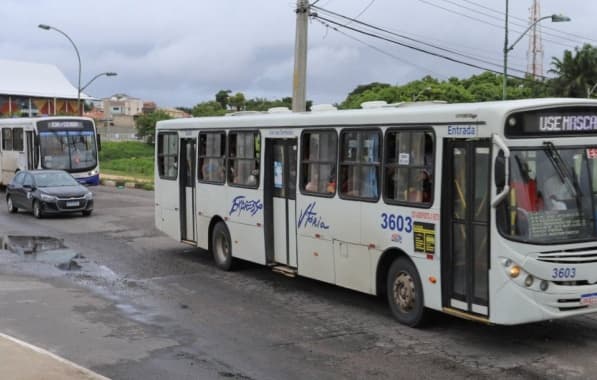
x=405 y=293
x=221 y=246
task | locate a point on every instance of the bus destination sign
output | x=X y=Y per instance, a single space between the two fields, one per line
x=561 y=122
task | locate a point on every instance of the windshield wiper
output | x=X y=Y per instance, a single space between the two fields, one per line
x=566 y=176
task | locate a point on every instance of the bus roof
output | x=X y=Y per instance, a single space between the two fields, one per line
x=32 y=120
x=405 y=113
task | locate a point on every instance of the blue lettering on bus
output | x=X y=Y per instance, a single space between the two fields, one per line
x=396 y=223
x=240 y=204
x=309 y=217
x=465 y=131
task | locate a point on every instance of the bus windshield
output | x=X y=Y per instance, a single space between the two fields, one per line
x=552 y=196
x=68 y=150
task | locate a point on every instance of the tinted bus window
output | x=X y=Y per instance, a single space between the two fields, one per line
x=318 y=162
x=243 y=159
x=360 y=159
x=212 y=157
x=168 y=155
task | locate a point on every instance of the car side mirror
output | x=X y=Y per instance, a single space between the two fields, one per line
x=28 y=187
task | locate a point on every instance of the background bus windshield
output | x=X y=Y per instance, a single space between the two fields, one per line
x=68 y=150
x=552 y=196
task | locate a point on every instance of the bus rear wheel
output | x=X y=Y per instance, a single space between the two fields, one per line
x=221 y=246
x=405 y=293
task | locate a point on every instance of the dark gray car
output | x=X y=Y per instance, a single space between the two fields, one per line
x=48 y=192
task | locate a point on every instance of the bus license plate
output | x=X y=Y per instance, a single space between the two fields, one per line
x=72 y=204
x=588 y=299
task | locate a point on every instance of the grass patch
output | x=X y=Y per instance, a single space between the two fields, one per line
x=127 y=158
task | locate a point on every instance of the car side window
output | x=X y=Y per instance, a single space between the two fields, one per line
x=19 y=178
x=28 y=180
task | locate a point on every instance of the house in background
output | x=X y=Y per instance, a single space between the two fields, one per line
x=34 y=89
x=122 y=104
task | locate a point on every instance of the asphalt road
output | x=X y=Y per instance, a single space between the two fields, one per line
x=142 y=306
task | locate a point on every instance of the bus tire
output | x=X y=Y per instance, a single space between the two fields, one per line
x=11 y=208
x=405 y=293
x=37 y=212
x=221 y=246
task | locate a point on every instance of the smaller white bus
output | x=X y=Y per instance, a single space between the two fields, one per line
x=61 y=142
x=486 y=211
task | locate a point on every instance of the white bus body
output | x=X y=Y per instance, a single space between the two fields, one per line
x=61 y=142
x=411 y=204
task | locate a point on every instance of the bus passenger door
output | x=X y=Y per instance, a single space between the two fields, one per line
x=187 y=189
x=31 y=151
x=280 y=201
x=465 y=226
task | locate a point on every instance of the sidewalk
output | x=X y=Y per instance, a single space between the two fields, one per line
x=22 y=361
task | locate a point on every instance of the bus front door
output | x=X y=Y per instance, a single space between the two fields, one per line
x=31 y=151
x=187 y=189
x=465 y=226
x=280 y=201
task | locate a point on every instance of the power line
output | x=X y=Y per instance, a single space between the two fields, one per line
x=400 y=59
x=501 y=13
x=413 y=39
x=501 y=27
x=469 y=64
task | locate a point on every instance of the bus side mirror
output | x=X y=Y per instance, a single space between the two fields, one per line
x=99 y=142
x=500 y=170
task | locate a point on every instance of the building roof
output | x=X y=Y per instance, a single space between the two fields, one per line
x=35 y=80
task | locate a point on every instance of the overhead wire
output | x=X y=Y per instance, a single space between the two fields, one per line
x=412 y=40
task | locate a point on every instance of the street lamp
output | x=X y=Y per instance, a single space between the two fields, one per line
x=507 y=49
x=48 y=27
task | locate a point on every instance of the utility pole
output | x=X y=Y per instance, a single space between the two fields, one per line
x=299 y=80
x=505 y=79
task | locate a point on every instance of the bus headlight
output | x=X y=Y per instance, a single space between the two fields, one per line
x=544 y=285
x=528 y=281
x=514 y=271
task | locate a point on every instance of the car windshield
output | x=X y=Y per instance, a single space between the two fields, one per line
x=54 y=179
x=68 y=150
x=552 y=196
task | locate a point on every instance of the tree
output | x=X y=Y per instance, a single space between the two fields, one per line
x=145 y=123
x=576 y=72
x=237 y=101
x=222 y=98
x=209 y=108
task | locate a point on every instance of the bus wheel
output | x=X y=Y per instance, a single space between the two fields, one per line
x=405 y=293
x=37 y=210
x=11 y=208
x=221 y=246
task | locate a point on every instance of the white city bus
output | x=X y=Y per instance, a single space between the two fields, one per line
x=61 y=142
x=485 y=211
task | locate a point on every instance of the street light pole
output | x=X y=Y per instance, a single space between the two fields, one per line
x=507 y=49
x=108 y=74
x=48 y=27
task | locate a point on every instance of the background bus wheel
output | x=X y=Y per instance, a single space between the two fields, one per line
x=11 y=208
x=221 y=246
x=37 y=210
x=405 y=293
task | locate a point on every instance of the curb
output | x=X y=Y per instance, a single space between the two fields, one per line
x=55 y=357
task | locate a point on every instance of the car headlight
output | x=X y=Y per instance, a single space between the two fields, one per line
x=89 y=196
x=47 y=198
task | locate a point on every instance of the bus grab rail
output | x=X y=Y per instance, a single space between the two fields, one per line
x=497 y=140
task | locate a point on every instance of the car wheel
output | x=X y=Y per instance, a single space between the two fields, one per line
x=87 y=212
x=11 y=208
x=37 y=210
x=221 y=246
x=405 y=293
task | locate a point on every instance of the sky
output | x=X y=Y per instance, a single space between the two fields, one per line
x=180 y=53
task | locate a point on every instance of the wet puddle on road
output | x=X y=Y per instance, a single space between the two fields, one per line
x=43 y=249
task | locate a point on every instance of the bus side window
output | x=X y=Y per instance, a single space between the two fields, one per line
x=243 y=158
x=6 y=139
x=408 y=166
x=168 y=155
x=318 y=162
x=212 y=157
x=360 y=163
